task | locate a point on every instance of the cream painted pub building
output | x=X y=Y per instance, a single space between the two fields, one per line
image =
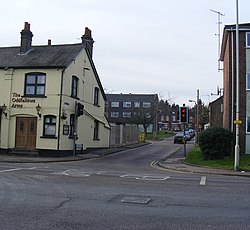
x=51 y=97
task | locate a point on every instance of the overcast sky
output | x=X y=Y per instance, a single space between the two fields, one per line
x=141 y=46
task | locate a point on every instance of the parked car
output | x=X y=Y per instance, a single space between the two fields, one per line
x=187 y=135
x=191 y=132
x=179 y=138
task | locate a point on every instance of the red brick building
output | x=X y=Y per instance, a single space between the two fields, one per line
x=228 y=56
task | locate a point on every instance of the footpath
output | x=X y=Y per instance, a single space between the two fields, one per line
x=174 y=162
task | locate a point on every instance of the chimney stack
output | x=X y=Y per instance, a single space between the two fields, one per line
x=88 y=40
x=26 y=39
x=49 y=42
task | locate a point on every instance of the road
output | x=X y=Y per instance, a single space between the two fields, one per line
x=120 y=191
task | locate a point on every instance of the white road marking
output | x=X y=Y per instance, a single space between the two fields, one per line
x=16 y=169
x=203 y=180
x=141 y=177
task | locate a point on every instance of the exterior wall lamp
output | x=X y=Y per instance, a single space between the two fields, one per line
x=64 y=115
x=38 y=110
x=4 y=108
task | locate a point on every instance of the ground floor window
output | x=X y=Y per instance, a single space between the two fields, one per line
x=248 y=125
x=72 y=125
x=96 y=130
x=49 y=129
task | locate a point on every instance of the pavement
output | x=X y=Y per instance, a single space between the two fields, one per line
x=174 y=162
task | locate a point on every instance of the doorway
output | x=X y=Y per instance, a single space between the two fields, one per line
x=26 y=132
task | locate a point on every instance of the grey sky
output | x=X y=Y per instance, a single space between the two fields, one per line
x=141 y=46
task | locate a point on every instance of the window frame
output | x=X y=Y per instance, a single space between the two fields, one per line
x=114 y=104
x=137 y=104
x=248 y=39
x=248 y=125
x=126 y=104
x=114 y=114
x=51 y=123
x=126 y=114
x=35 y=85
x=96 y=96
x=146 y=105
x=74 y=86
x=96 y=130
x=247 y=81
x=71 y=125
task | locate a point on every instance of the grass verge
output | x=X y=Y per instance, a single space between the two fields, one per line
x=195 y=157
x=159 y=135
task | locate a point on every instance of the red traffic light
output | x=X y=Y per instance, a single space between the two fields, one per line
x=184 y=114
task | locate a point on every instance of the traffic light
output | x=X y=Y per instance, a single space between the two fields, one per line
x=184 y=114
x=79 y=109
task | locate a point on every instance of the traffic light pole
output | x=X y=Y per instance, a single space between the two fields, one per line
x=185 y=149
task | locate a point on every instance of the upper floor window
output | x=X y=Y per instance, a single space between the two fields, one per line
x=35 y=84
x=96 y=96
x=114 y=104
x=126 y=104
x=137 y=104
x=146 y=105
x=247 y=39
x=74 y=86
x=49 y=128
x=248 y=81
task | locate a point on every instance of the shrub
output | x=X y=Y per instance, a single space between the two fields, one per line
x=215 y=143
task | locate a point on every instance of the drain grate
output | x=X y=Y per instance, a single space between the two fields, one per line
x=135 y=200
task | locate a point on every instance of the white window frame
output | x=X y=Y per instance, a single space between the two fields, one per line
x=126 y=114
x=248 y=125
x=114 y=114
x=248 y=81
x=248 y=40
x=137 y=104
x=126 y=104
x=114 y=104
x=146 y=104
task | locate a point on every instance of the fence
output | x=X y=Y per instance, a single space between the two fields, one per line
x=123 y=135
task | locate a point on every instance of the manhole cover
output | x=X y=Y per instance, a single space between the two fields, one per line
x=135 y=200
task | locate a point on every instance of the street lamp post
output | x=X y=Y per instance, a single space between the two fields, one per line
x=237 y=146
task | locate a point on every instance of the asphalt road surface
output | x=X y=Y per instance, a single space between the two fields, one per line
x=120 y=191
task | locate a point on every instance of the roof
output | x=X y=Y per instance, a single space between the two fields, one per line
x=228 y=29
x=132 y=97
x=39 y=56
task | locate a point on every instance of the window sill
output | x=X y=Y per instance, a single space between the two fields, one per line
x=96 y=105
x=49 y=137
x=96 y=139
x=36 y=96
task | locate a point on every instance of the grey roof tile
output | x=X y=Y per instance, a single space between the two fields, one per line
x=39 y=56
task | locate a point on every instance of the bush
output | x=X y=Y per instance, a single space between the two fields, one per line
x=215 y=143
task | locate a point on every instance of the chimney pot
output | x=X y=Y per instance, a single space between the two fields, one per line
x=49 y=42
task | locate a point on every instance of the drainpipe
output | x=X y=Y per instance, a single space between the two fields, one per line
x=233 y=77
x=60 y=112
